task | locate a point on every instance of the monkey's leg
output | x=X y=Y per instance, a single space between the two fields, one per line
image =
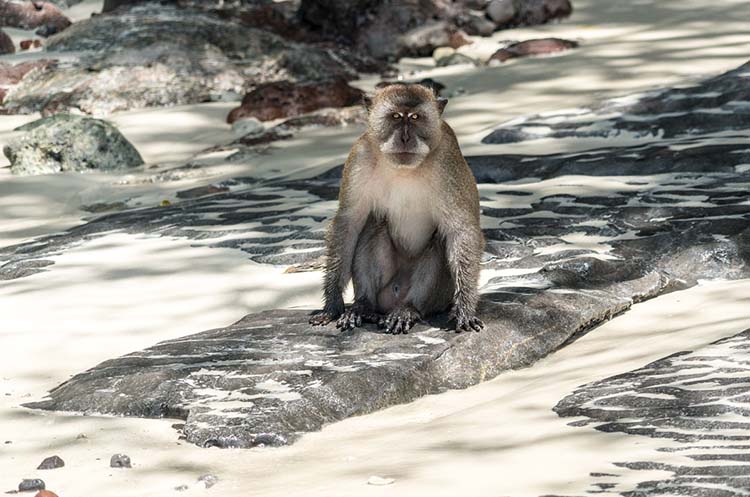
x=424 y=286
x=374 y=262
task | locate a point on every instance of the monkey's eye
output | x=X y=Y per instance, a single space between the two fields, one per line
x=414 y=117
x=397 y=115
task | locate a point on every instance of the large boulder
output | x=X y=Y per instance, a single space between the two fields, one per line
x=156 y=55
x=285 y=99
x=66 y=142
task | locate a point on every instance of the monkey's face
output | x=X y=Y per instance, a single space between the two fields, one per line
x=406 y=121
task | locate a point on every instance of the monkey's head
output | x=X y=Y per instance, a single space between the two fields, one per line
x=406 y=122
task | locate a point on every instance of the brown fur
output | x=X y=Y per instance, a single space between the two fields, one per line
x=407 y=229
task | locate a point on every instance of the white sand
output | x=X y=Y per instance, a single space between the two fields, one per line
x=122 y=293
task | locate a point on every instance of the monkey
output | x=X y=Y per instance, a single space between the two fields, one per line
x=407 y=231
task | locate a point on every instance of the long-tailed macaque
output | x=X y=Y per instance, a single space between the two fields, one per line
x=407 y=228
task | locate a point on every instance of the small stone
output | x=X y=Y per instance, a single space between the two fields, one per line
x=52 y=462
x=119 y=461
x=501 y=11
x=209 y=480
x=165 y=203
x=247 y=126
x=441 y=52
x=81 y=436
x=380 y=481
x=30 y=484
x=455 y=59
x=181 y=488
x=45 y=493
x=478 y=25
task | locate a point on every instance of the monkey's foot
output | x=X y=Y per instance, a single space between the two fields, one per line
x=400 y=321
x=322 y=318
x=355 y=316
x=472 y=323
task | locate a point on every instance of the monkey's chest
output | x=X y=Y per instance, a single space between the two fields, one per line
x=411 y=219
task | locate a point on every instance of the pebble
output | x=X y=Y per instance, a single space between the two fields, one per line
x=119 y=461
x=27 y=485
x=380 y=481
x=52 y=462
x=181 y=488
x=209 y=480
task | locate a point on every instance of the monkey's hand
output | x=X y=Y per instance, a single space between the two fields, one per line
x=333 y=308
x=466 y=322
x=400 y=321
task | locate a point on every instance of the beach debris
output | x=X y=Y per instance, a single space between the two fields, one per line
x=120 y=461
x=52 y=462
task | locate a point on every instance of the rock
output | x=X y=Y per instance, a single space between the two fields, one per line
x=706 y=107
x=286 y=99
x=119 y=461
x=541 y=46
x=27 y=44
x=28 y=485
x=181 y=488
x=45 y=16
x=6 y=43
x=502 y=12
x=476 y=24
x=643 y=239
x=45 y=493
x=66 y=142
x=455 y=59
x=697 y=398
x=380 y=481
x=459 y=39
x=533 y=12
x=208 y=480
x=247 y=126
x=442 y=52
x=52 y=462
x=163 y=55
x=422 y=40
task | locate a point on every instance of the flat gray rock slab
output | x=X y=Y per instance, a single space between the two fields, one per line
x=698 y=398
x=654 y=218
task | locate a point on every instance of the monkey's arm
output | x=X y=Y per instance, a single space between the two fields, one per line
x=341 y=241
x=464 y=245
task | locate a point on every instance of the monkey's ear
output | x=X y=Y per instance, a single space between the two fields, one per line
x=367 y=102
x=441 y=103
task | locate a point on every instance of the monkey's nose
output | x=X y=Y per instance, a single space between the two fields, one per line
x=405 y=136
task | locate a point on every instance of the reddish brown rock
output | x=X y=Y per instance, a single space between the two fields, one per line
x=6 y=43
x=459 y=39
x=45 y=16
x=10 y=74
x=45 y=493
x=287 y=99
x=27 y=44
x=533 y=47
